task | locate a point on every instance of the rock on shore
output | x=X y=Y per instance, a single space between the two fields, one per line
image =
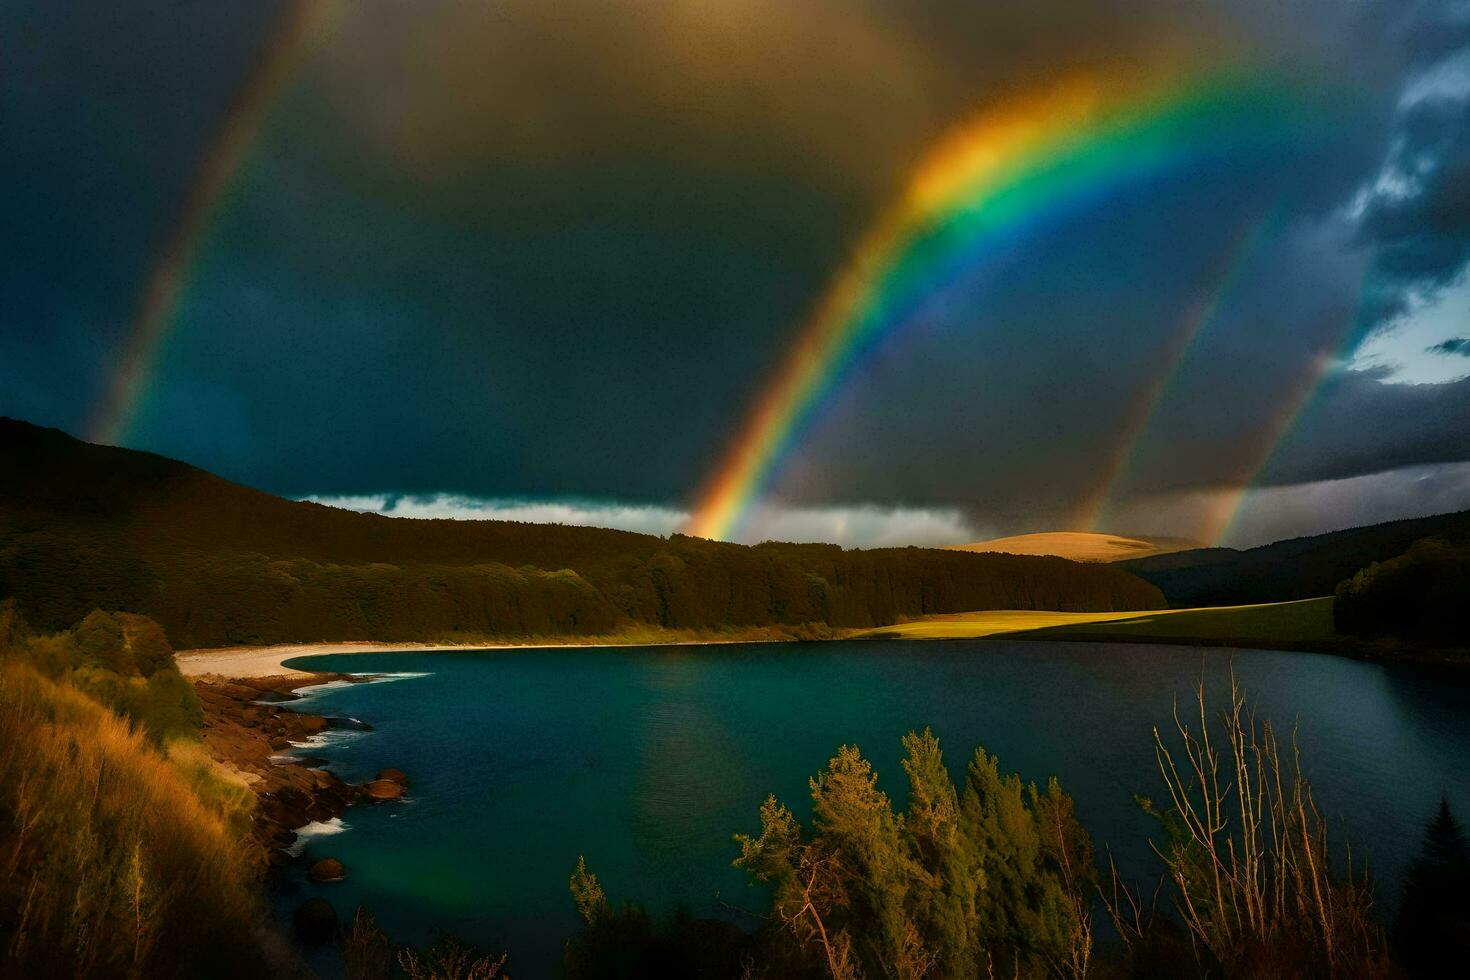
x=327 y=869
x=246 y=728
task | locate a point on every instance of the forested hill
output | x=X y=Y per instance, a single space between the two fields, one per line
x=1299 y=568
x=85 y=527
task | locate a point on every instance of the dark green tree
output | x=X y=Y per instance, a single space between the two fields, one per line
x=1431 y=933
x=100 y=643
x=626 y=944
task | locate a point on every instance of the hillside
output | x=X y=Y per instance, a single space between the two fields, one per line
x=1081 y=545
x=1299 y=568
x=85 y=527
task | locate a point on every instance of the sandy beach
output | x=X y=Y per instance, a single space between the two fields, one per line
x=268 y=661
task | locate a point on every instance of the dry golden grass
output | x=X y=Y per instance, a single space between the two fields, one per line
x=1081 y=545
x=115 y=860
x=1304 y=622
x=987 y=622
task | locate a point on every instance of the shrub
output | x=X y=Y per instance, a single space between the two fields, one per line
x=627 y=944
x=992 y=876
x=111 y=864
x=1248 y=862
x=368 y=955
x=121 y=659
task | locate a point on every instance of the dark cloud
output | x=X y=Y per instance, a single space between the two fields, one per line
x=1453 y=345
x=1416 y=222
x=1362 y=424
x=520 y=250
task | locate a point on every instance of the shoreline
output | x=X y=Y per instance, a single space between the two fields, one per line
x=268 y=661
x=246 y=662
x=253 y=732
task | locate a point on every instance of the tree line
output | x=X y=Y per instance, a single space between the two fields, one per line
x=1419 y=596
x=83 y=527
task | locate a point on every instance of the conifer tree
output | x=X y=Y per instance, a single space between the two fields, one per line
x=991 y=880
x=1432 y=929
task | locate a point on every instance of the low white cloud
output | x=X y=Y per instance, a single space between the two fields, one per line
x=624 y=517
x=860 y=526
x=857 y=526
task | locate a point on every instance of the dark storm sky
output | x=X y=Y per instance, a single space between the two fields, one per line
x=551 y=252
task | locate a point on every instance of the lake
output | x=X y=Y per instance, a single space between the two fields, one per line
x=647 y=760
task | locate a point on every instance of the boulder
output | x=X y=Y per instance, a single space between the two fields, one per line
x=238 y=692
x=327 y=869
x=286 y=807
x=310 y=724
x=323 y=779
x=320 y=811
x=315 y=921
x=383 y=789
x=396 y=775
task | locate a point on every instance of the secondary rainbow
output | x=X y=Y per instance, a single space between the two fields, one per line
x=1026 y=162
x=132 y=375
x=1149 y=400
x=1314 y=382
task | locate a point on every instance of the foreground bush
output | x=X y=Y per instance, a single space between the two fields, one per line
x=368 y=955
x=627 y=944
x=121 y=659
x=991 y=878
x=112 y=864
x=1248 y=864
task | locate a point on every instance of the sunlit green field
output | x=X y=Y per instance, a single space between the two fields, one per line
x=1305 y=621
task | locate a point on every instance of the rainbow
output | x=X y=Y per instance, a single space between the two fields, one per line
x=1314 y=382
x=1019 y=165
x=1144 y=407
x=152 y=320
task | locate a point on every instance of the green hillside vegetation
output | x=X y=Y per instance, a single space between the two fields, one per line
x=1420 y=596
x=122 y=853
x=1301 y=568
x=218 y=564
x=121 y=660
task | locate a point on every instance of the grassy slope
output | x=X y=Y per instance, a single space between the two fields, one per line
x=1306 y=623
x=1080 y=546
x=123 y=860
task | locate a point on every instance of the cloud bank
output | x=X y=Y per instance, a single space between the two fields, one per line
x=858 y=526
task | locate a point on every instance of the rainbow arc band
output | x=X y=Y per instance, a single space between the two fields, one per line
x=1018 y=164
x=300 y=23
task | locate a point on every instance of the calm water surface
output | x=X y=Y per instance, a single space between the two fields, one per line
x=647 y=760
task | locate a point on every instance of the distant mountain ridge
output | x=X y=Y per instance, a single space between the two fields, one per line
x=216 y=563
x=1297 y=568
x=1081 y=545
